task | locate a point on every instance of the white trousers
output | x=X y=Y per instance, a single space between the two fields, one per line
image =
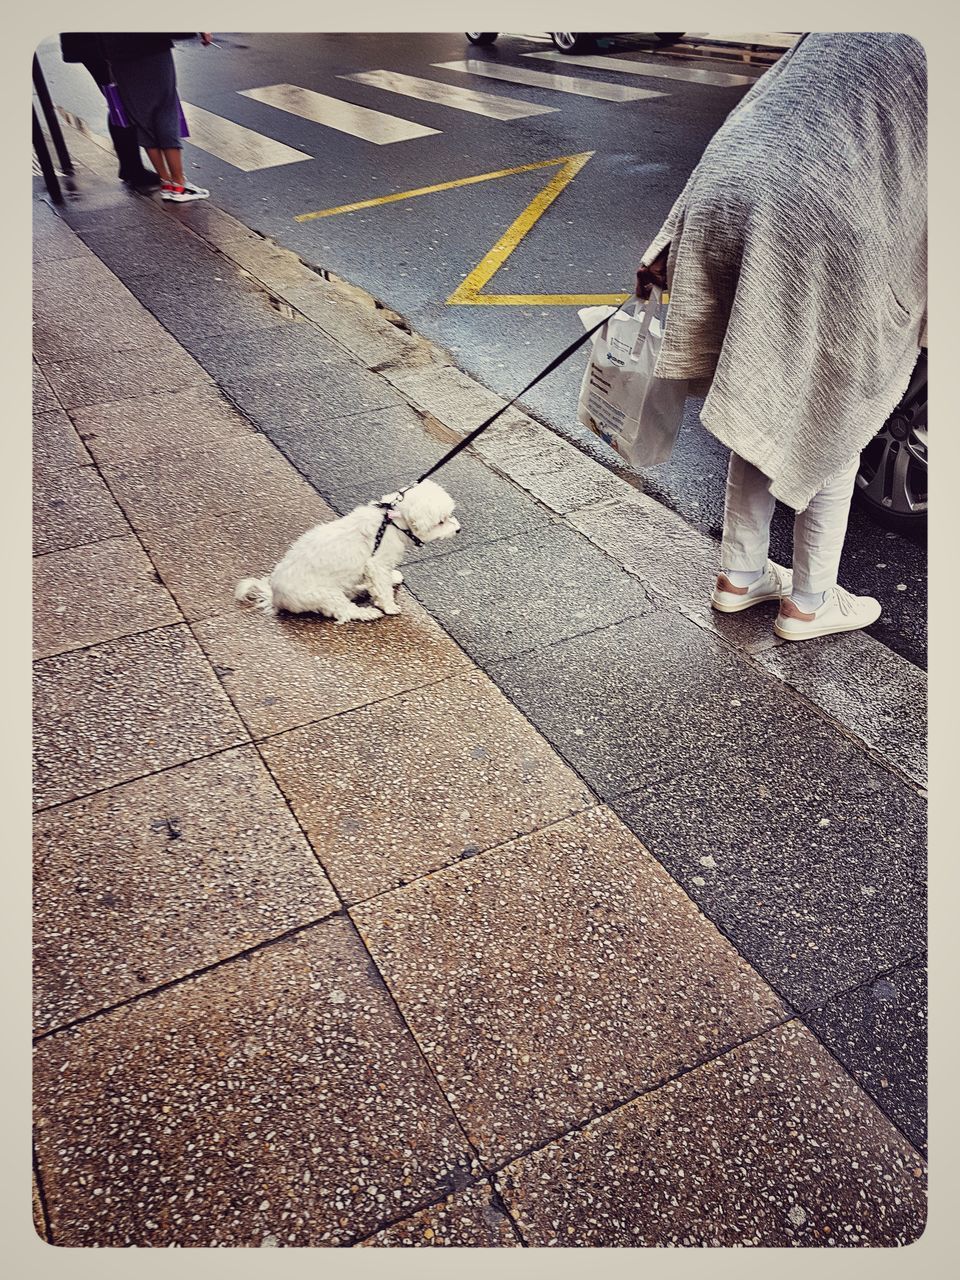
x=818 y=532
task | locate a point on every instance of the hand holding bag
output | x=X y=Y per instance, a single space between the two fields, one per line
x=621 y=399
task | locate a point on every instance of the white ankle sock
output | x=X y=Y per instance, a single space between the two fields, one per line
x=743 y=577
x=808 y=601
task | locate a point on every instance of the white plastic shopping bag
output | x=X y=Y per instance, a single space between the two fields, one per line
x=621 y=401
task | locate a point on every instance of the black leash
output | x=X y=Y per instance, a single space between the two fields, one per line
x=468 y=439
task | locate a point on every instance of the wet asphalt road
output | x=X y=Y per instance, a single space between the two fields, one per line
x=412 y=254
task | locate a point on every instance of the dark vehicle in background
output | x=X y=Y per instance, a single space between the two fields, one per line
x=566 y=41
x=892 y=480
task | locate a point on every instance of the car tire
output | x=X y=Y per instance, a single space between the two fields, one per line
x=568 y=42
x=482 y=37
x=892 y=479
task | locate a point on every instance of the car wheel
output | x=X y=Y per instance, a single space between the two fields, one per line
x=568 y=42
x=892 y=480
x=482 y=37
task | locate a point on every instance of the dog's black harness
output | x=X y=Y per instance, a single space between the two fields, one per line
x=472 y=435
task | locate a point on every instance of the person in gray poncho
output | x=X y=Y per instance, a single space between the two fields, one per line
x=795 y=259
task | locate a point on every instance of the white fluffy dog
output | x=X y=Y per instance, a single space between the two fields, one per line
x=331 y=564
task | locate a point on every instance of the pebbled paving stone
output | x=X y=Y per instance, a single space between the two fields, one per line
x=201 y=561
x=286 y=671
x=631 y=702
x=127 y=374
x=53 y=240
x=771 y=1145
x=879 y=1033
x=866 y=687
x=174 y=485
x=72 y=506
x=527 y=591
x=146 y=883
x=553 y=978
x=163 y=423
x=392 y=791
x=813 y=861
x=86 y=311
x=278 y=1100
x=56 y=445
x=85 y=595
x=118 y=710
x=39 y=1222
x=468 y=1220
x=356 y=324
x=43 y=398
x=154 y=249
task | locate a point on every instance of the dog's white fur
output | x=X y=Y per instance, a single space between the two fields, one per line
x=331 y=564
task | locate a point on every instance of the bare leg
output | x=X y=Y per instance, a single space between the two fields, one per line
x=174 y=161
x=158 y=160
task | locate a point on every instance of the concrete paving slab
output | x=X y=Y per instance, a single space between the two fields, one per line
x=654 y=696
x=156 y=248
x=394 y=790
x=526 y=592
x=85 y=310
x=808 y=856
x=358 y=327
x=144 y=426
x=320 y=394
x=665 y=552
x=72 y=506
x=879 y=1033
x=43 y=398
x=451 y=395
x=102 y=591
x=199 y=306
x=284 y=352
x=105 y=206
x=771 y=1145
x=276 y=1101
x=121 y=375
x=369 y=454
x=866 y=687
x=286 y=671
x=553 y=978
x=159 y=877
x=56 y=445
x=119 y=710
x=468 y=1220
x=182 y=484
x=556 y=473
x=201 y=561
x=53 y=240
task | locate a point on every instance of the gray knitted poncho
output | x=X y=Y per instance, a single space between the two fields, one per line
x=797 y=260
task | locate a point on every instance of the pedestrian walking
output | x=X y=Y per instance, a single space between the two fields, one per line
x=795 y=259
x=143 y=70
x=87 y=47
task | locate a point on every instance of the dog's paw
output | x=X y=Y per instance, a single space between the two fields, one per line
x=391 y=610
x=396 y=577
x=368 y=613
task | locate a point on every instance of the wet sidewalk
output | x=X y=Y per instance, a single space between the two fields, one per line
x=554 y=911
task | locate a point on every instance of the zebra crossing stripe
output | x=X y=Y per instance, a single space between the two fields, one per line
x=602 y=89
x=448 y=95
x=241 y=147
x=655 y=70
x=345 y=117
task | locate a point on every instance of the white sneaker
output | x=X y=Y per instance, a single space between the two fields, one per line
x=841 y=611
x=774 y=583
x=182 y=194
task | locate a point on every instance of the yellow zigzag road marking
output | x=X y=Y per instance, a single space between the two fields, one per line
x=468 y=293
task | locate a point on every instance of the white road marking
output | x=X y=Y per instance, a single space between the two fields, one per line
x=603 y=89
x=243 y=148
x=448 y=95
x=772 y=39
x=345 y=117
x=659 y=70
